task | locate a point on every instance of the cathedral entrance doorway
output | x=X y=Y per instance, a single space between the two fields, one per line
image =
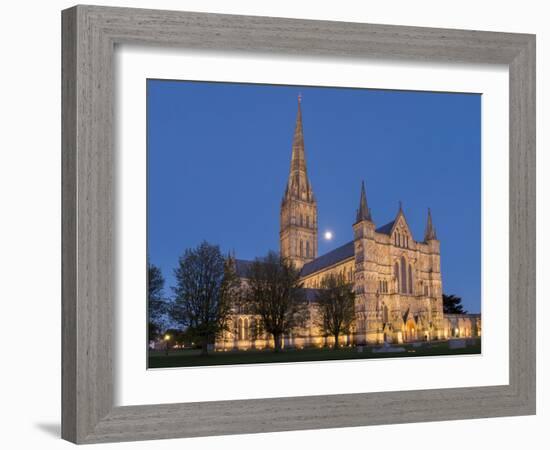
x=410 y=330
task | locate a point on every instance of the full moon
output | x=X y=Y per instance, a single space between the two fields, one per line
x=328 y=235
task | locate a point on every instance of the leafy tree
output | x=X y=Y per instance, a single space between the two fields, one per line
x=275 y=294
x=453 y=305
x=336 y=306
x=204 y=288
x=156 y=302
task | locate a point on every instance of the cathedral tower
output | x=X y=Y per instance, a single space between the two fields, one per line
x=366 y=274
x=298 y=235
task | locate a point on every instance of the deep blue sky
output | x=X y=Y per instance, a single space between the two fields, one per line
x=219 y=154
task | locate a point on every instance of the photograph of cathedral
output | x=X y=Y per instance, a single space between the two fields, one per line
x=380 y=293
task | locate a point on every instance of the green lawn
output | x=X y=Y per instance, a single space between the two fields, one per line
x=187 y=358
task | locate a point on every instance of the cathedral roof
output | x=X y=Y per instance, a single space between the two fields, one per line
x=328 y=259
x=386 y=229
x=242 y=266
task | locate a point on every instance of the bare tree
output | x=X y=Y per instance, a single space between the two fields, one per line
x=336 y=306
x=156 y=301
x=275 y=294
x=203 y=292
x=230 y=291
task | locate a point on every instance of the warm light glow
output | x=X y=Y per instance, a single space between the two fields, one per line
x=328 y=235
x=167 y=337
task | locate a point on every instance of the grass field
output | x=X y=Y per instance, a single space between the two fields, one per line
x=189 y=358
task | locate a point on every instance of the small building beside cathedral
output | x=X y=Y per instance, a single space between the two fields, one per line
x=396 y=278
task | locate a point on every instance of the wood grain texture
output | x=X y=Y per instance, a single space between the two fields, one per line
x=68 y=225
x=89 y=36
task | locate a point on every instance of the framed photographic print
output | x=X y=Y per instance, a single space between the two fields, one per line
x=278 y=224
x=377 y=290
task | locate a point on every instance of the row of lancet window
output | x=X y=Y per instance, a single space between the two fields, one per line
x=305 y=223
x=307 y=251
x=401 y=240
x=245 y=328
x=382 y=286
x=403 y=275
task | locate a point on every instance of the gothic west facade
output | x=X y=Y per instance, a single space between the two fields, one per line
x=396 y=279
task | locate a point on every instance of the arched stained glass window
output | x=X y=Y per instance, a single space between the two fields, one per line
x=410 y=280
x=245 y=328
x=240 y=329
x=396 y=272
x=403 y=275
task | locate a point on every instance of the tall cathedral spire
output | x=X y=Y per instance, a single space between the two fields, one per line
x=298 y=236
x=298 y=161
x=298 y=182
x=363 y=213
x=429 y=234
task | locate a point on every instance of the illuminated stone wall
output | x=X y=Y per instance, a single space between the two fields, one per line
x=397 y=280
x=398 y=284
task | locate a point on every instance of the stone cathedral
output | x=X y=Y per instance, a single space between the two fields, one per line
x=396 y=279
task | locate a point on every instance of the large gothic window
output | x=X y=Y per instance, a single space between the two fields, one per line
x=301 y=248
x=240 y=329
x=307 y=221
x=403 y=275
x=410 y=280
x=247 y=328
x=307 y=249
x=396 y=271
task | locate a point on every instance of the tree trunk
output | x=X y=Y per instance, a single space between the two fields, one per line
x=336 y=340
x=277 y=340
x=204 y=348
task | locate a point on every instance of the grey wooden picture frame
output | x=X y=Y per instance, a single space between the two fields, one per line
x=90 y=34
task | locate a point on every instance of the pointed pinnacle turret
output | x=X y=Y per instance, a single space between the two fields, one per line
x=363 y=213
x=429 y=234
